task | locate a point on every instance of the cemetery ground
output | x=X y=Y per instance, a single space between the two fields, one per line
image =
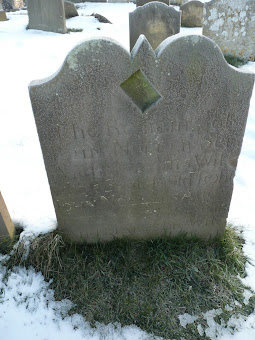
x=176 y=289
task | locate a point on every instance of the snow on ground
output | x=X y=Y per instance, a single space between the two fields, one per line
x=27 y=306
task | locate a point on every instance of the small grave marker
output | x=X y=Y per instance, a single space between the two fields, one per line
x=156 y=21
x=47 y=15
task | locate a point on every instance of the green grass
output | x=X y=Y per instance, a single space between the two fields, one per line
x=146 y=283
x=235 y=61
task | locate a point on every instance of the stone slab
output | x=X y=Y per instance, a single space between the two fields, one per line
x=192 y=14
x=144 y=2
x=6 y=225
x=156 y=21
x=3 y=16
x=47 y=15
x=231 y=24
x=178 y=2
x=70 y=10
x=144 y=144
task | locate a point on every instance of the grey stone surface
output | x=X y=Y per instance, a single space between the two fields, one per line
x=143 y=2
x=178 y=2
x=156 y=21
x=6 y=224
x=47 y=15
x=192 y=14
x=70 y=10
x=7 y=5
x=143 y=144
x=231 y=24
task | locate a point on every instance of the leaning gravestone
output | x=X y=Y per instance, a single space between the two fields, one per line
x=70 y=10
x=6 y=225
x=156 y=21
x=47 y=15
x=144 y=2
x=142 y=145
x=192 y=14
x=231 y=24
x=2 y=12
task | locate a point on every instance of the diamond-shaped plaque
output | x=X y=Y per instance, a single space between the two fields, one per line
x=140 y=90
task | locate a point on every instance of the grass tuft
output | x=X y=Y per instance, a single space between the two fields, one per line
x=146 y=283
x=235 y=61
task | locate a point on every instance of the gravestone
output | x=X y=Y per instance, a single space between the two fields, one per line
x=231 y=24
x=70 y=10
x=178 y=2
x=17 y=3
x=143 y=2
x=2 y=12
x=144 y=144
x=6 y=225
x=156 y=21
x=7 y=6
x=47 y=15
x=192 y=14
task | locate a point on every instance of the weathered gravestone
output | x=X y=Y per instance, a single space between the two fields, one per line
x=47 y=15
x=2 y=12
x=7 y=6
x=142 y=145
x=192 y=14
x=70 y=10
x=144 y=2
x=231 y=24
x=6 y=225
x=178 y=2
x=156 y=21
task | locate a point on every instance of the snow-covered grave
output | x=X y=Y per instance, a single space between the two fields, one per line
x=26 y=55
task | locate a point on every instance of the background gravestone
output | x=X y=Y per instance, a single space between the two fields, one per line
x=70 y=10
x=231 y=24
x=47 y=15
x=2 y=13
x=178 y=2
x=6 y=225
x=156 y=21
x=7 y=6
x=192 y=14
x=142 y=145
x=143 y=2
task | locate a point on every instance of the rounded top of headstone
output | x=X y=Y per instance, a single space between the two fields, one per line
x=155 y=4
x=196 y=3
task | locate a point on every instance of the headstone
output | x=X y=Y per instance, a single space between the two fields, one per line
x=47 y=15
x=17 y=3
x=231 y=24
x=192 y=14
x=7 y=6
x=70 y=10
x=144 y=144
x=3 y=16
x=2 y=13
x=144 y=2
x=178 y=2
x=156 y=21
x=6 y=225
